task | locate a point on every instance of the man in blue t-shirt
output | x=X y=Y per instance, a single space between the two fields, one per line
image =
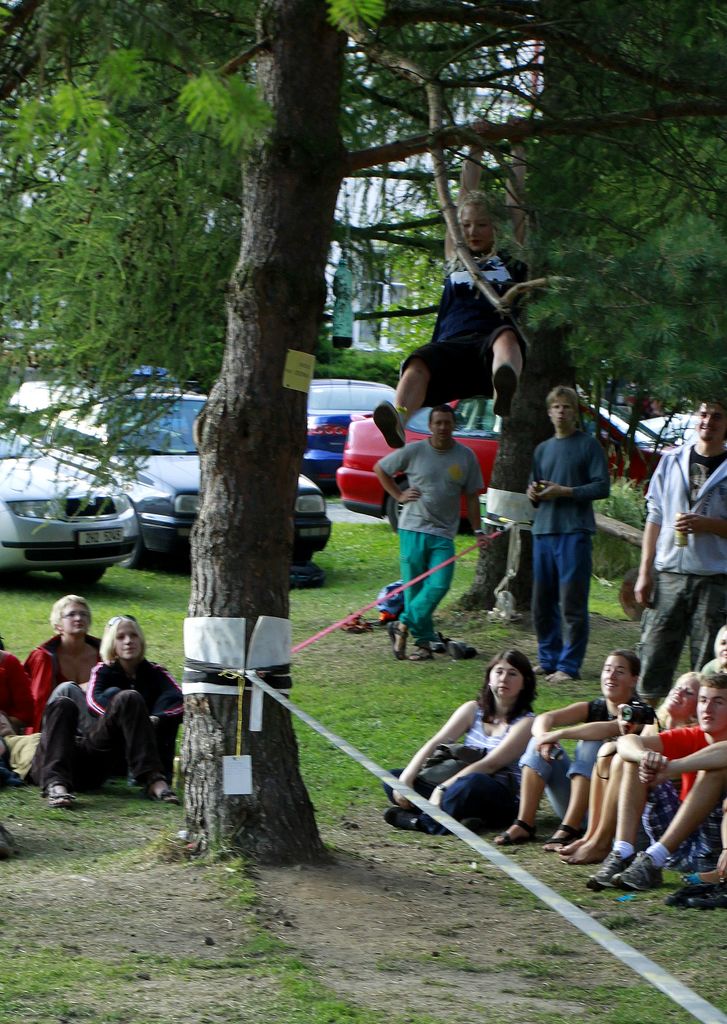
x=569 y=473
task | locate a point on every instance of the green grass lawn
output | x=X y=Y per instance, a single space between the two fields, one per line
x=355 y=687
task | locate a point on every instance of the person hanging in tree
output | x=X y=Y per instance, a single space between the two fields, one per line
x=477 y=348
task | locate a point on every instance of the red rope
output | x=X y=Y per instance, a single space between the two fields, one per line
x=391 y=593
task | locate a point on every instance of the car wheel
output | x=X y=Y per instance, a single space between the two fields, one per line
x=392 y=508
x=83 y=577
x=137 y=557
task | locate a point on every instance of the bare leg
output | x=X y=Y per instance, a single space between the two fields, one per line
x=412 y=387
x=410 y=395
x=595 y=845
x=631 y=802
x=507 y=350
x=575 y=812
x=532 y=787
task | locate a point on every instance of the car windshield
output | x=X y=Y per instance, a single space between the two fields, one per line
x=472 y=416
x=15 y=447
x=165 y=429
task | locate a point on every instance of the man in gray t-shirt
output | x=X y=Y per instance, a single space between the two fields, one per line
x=438 y=472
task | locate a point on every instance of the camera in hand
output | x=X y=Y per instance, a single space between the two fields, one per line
x=638 y=713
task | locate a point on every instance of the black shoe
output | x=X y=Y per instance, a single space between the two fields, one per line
x=504 y=383
x=388 y=421
x=400 y=818
x=476 y=825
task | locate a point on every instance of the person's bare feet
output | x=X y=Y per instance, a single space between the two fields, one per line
x=585 y=852
x=570 y=848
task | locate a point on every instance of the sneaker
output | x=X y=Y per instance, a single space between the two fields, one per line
x=399 y=818
x=504 y=383
x=612 y=867
x=388 y=421
x=640 y=876
x=540 y=671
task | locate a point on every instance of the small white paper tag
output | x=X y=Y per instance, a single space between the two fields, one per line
x=237 y=775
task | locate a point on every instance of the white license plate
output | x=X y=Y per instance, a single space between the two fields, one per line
x=93 y=538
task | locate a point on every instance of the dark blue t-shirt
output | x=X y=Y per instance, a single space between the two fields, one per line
x=463 y=308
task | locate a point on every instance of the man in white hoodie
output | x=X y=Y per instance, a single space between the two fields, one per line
x=683 y=573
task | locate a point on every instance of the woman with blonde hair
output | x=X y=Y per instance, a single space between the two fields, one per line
x=68 y=657
x=125 y=667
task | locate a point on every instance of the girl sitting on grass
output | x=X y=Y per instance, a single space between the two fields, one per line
x=482 y=794
x=546 y=766
x=677 y=711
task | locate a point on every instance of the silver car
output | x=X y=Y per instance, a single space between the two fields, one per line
x=54 y=516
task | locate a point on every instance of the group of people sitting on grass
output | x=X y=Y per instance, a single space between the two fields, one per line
x=82 y=709
x=644 y=790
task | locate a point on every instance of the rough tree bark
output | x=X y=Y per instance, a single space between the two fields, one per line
x=253 y=429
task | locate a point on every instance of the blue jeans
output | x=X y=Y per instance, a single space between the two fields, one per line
x=417 y=553
x=473 y=796
x=557 y=774
x=561 y=580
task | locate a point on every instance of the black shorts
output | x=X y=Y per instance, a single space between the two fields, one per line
x=461 y=367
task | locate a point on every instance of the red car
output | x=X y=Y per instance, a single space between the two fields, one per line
x=478 y=428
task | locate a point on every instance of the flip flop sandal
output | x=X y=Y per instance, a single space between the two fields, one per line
x=555 y=840
x=506 y=840
x=398 y=633
x=421 y=654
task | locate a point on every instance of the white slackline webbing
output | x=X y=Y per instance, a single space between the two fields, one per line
x=640 y=964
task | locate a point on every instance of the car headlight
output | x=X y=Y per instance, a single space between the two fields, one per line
x=310 y=504
x=187 y=504
x=121 y=503
x=46 y=509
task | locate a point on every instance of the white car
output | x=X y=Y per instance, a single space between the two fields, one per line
x=55 y=517
x=679 y=429
x=157 y=425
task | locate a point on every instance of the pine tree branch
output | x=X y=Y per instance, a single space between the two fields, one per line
x=524 y=18
x=542 y=128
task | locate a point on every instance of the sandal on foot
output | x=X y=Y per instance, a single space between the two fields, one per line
x=398 y=633
x=421 y=654
x=164 y=796
x=507 y=840
x=571 y=834
x=58 y=796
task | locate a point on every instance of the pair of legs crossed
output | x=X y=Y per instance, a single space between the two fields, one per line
x=473 y=796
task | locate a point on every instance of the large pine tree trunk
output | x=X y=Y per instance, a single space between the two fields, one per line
x=547 y=365
x=253 y=429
